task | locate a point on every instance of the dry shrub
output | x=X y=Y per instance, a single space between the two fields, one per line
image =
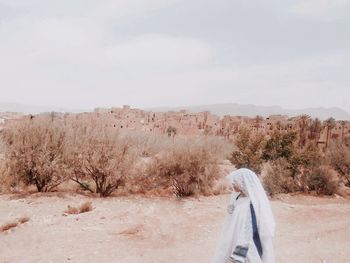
x=72 y=210
x=189 y=167
x=100 y=155
x=248 y=152
x=4 y=180
x=338 y=157
x=84 y=208
x=343 y=190
x=277 y=177
x=323 y=180
x=7 y=226
x=23 y=219
x=289 y=167
x=33 y=153
x=135 y=230
x=2 y=167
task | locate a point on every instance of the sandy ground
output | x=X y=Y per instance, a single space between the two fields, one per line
x=139 y=229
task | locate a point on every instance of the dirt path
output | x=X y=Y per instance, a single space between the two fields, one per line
x=130 y=230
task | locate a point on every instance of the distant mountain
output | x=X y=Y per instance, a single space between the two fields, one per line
x=251 y=110
x=30 y=109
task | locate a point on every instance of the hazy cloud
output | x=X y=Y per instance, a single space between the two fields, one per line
x=319 y=7
x=90 y=53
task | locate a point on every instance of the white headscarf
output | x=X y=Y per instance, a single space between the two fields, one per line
x=249 y=183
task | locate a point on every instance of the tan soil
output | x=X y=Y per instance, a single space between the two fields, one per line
x=138 y=229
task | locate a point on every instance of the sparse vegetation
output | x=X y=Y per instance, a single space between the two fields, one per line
x=84 y=208
x=7 y=226
x=13 y=224
x=23 y=219
x=44 y=151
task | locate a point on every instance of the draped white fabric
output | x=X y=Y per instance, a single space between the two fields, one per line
x=233 y=225
x=250 y=183
x=237 y=224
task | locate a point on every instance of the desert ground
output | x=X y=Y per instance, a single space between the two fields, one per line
x=154 y=229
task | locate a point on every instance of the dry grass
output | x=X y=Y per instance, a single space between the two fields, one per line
x=72 y=210
x=23 y=220
x=84 y=208
x=7 y=226
x=10 y=225
x=132 y=231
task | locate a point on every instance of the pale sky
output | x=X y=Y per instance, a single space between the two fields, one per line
x=146 y=53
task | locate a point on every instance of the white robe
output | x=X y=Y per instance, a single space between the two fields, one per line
x=238 y=225
x=237 y=230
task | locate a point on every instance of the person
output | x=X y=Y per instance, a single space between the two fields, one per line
x=249 y=225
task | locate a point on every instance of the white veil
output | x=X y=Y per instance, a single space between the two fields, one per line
x=251 y=185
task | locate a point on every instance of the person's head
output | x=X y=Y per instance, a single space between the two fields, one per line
x=238 y=189
x=238 y=180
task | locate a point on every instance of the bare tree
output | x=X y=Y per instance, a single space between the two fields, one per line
x=343 y=124
x=33 y=152
x=171 y=131
x=315 y=129
x=329 y=124
x=100 y=155
x=257 y=121
x=303 y=125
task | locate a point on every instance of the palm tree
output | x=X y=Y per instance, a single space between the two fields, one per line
x=343 y=123
x=257 y=121
x=279 y=125
x=329 y=124
x=315 y=129
x=171 y=131
x=303 y=125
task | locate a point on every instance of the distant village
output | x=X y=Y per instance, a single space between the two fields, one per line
x=184 y=123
